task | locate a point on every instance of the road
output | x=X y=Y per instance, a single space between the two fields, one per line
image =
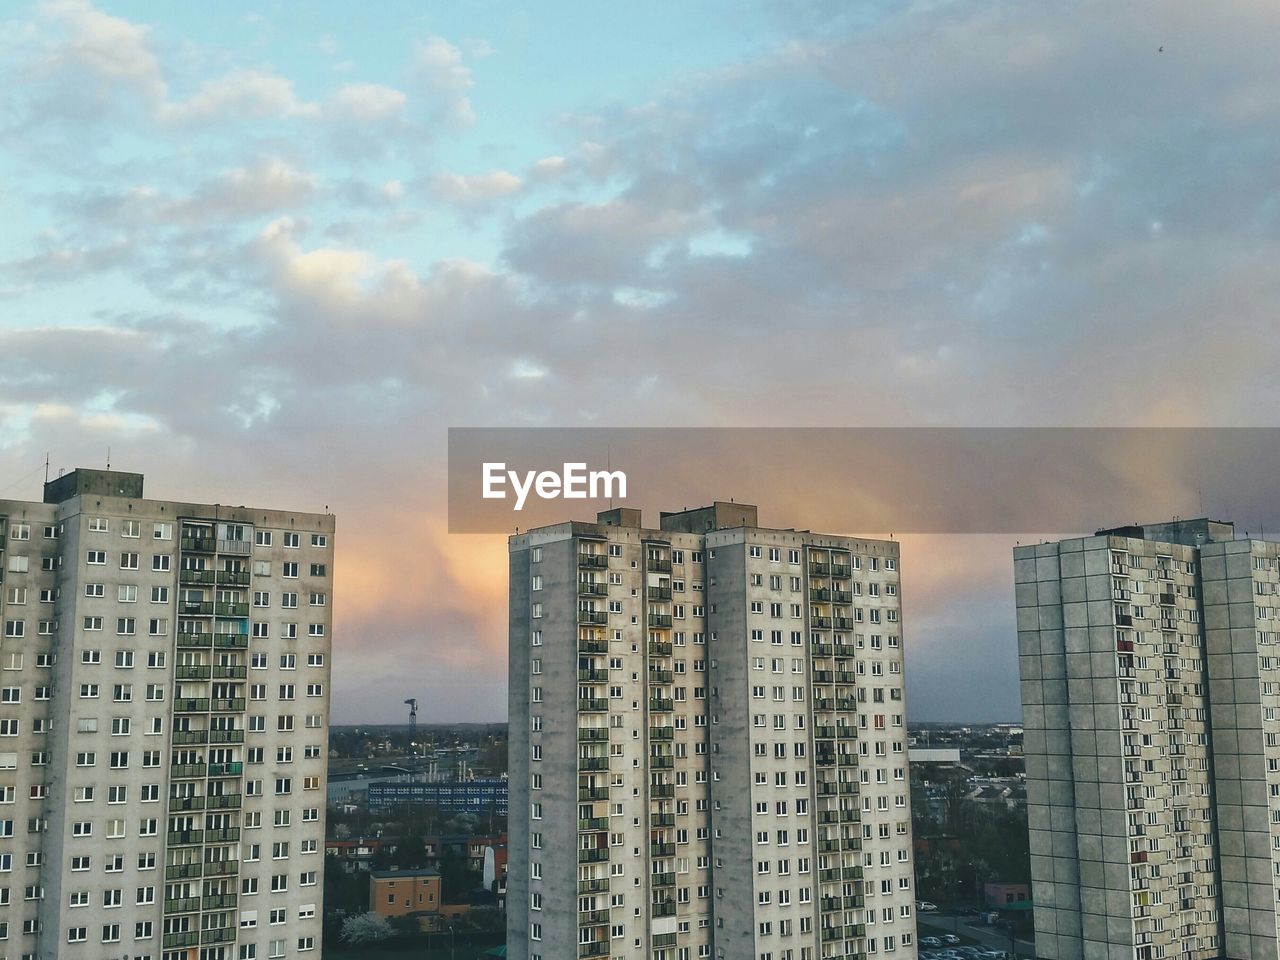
x=940 y=923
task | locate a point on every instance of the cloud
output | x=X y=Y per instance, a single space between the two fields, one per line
x=364 y=103
x=240 y=95
x=108 y=49
x=469 y=190
x=439 y=68
x=932 y=213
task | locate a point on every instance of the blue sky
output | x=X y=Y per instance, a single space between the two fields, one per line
x=278 y=248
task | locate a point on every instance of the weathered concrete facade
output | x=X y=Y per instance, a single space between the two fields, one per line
x=1148 y=693
x=163 y=724
x=708 y=747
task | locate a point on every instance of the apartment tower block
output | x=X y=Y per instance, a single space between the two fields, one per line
x=1150 y=689
x=164 y=681
x=707 y=742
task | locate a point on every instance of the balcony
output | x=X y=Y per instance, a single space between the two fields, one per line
x=843 y=623
x=592 y=918
x=820 y=594
x=198 y=641
x=661 y=677
x=600 y=885
x=663 y=879
x=593 y=675
x=593 y=825
x=195 y=608
x=181 y=804
x=232 y=578
x=595 y=855
x=660 y=621
x=662 y=733
x=663 y=908
x=198 y=544
x=841 y=571
x=658 y=565
x=226 y=769
x=657 y=820
x=226 y=736
x=197 y=577
x=661 y=705
x=591 y=794
x=188 y=938
x=229 y=673
x=224 y=935
x=841 y=596
x=593 y=561
x=593 y=705
x=660 y=648
x=187 y=771
x=182 y=838
x=183 y=871
x=662 y=790
x=223 y=902
x=185 y=737
x=231 y=609
x=822 y=649
x=659 y=593
x=592 y=589
x=231 y=641
x=820 y=623
x=598 y=617
x=662 y=849
x=819 y=569
x=191 y=705
x=592 y=646
x=232 y=705
x=593 y=734
x=193 y=671
x=226 y=801
x=222 y=868
x=595 y=949
x=593 y=764
x=663 y=762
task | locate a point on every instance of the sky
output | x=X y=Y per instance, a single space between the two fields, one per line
x=268 y=253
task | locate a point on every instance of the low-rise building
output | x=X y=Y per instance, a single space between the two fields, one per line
x=406 y=893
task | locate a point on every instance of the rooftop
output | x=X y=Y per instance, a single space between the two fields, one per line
x=403 y=874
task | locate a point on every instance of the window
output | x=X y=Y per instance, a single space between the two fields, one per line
x=162 y=531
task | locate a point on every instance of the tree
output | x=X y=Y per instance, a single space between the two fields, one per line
x=366 y=928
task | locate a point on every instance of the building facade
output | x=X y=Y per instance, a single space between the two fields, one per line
x=481 y=796
x=707 y=741
x=1150 y=703
x=164 y=690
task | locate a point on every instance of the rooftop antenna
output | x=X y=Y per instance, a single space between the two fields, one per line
x=46 y=466
x=108 y=458
x=608 y=465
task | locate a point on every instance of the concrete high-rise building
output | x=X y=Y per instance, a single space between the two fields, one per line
x=164 y=690
x=1150 y=691
x=707 y=742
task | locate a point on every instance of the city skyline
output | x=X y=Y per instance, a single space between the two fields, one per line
x=290 y=246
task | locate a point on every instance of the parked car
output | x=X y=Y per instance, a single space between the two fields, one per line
x=930 y=942
x=950 y=938
x=924 y=906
